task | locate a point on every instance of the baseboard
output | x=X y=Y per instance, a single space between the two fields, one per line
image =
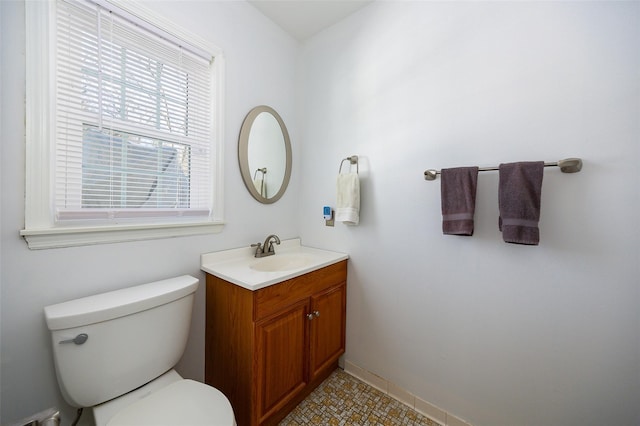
x=394 y=391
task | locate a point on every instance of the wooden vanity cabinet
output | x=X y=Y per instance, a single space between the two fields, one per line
x=267 y=349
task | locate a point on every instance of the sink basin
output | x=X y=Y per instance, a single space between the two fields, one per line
x=282 y=262
x=239 y=266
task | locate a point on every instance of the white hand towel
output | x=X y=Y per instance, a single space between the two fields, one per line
x=348 y=200
x=261 y=186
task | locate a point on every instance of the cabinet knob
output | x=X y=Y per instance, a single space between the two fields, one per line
x=312 y=315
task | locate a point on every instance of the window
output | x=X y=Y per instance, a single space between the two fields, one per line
x=123 y=138
x=123 y=173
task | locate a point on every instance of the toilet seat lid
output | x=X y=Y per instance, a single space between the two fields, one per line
x=185 y=402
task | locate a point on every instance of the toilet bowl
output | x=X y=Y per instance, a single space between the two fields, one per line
x=115 y=352
x=167 y=400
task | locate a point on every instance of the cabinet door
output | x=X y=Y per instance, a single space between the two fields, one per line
x=327 y=328
x=281 y=353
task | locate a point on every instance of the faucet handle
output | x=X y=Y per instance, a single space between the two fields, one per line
x=258 y=246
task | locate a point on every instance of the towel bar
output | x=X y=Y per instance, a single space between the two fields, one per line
x=262 y=170
x=352 y=160
x=568 y=165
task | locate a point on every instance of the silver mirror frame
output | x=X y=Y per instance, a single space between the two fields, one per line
x=243 y=154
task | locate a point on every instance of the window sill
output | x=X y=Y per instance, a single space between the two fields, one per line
x=82 y=236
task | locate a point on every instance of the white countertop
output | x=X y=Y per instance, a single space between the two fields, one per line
x=236 y=265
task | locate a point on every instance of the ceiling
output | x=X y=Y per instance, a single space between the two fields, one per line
x=304 y=18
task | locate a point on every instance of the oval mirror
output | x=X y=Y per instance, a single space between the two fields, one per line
x=264 y=154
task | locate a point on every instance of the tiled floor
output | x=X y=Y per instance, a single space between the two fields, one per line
x=344 y=400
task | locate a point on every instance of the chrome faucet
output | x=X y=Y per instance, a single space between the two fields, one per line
x=266 y=249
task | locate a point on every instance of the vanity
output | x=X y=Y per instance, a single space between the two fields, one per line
x=275 y=326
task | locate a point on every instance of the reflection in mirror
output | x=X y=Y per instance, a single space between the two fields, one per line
x=267 y=154
x=264 y=154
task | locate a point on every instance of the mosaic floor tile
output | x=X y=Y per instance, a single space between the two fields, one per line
x=343 y=400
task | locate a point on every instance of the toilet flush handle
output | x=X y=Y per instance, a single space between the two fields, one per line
x=78 y=340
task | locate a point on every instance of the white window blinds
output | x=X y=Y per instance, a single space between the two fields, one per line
x=134 y=121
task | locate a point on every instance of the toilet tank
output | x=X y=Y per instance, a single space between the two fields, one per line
x=133 y=336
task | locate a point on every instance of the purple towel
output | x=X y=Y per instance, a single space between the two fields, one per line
x=458 y=194
x=519 y=191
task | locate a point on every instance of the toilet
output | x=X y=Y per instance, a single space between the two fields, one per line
x=115 y=352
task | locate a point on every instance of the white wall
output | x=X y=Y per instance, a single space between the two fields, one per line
x=496 y=334
x=260 y=60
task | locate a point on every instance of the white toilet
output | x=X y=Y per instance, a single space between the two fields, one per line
x=115 y=352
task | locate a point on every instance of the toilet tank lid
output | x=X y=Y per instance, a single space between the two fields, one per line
x=118 y=303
